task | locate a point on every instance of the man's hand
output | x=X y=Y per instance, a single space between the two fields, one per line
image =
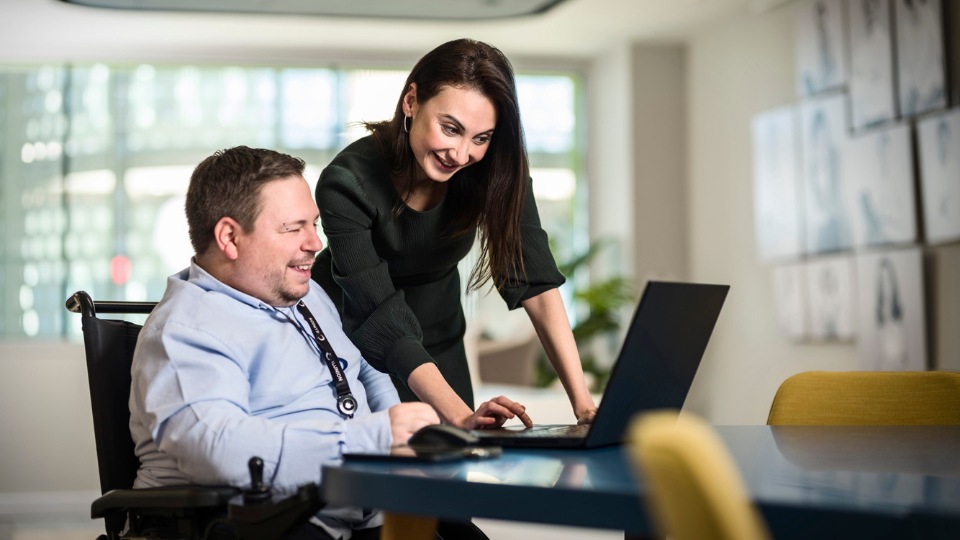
x=406 y=418
x=493 y=413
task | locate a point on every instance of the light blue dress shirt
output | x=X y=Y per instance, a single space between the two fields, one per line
x=219 y=376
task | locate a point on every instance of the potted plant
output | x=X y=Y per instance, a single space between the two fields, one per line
x=598 y=308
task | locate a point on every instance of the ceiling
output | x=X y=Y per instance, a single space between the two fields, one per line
x=464 y=10
x=53 y=30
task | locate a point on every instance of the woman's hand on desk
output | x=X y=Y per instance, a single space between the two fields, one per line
x=493 y=413
x=586 y=417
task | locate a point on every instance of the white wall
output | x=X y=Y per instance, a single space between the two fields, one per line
x=45 y=420
x=636 y=173
x=610 y=160
x=659 y=90
x=735 y=70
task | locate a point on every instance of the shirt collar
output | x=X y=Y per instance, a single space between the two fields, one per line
x=203 y=279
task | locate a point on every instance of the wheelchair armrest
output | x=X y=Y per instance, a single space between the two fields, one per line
x=184 y=496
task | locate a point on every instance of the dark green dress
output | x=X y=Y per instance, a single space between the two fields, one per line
x=395 y=279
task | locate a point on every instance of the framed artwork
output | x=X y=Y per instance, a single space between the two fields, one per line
x=921 y=68
x=892 y=321
x=831 y=298
x=824 y=133
x=790 y=296
x=820 y=47
x=879 y=175
x=871 y=61
x=939 y=143
x=776 y=184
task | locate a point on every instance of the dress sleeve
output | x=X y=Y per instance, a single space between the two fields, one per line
x=375 y=315
x=541 y=268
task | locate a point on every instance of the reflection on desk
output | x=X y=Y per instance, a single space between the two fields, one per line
x=521 y=485
x=899 y=449
x=809 y=482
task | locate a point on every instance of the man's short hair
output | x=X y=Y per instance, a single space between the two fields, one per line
x=228 y=184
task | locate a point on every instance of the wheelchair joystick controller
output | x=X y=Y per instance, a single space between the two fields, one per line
x=259 y=492
x=258 y=515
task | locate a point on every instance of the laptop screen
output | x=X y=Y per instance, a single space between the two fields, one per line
x=660 y=354
x=655 y=368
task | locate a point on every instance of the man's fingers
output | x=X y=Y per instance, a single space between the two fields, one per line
x=407 y=418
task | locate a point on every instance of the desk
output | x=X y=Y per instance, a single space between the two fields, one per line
x=809 y=482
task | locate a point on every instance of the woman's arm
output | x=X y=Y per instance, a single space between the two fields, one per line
x=549 y=318
x=428 y=384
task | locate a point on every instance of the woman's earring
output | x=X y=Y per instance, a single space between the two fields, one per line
x=406 y=126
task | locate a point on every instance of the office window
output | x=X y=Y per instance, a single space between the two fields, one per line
x=549 y=112
x=31 y=194
x=97 y=159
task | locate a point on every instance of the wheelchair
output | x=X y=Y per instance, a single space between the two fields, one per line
x=190 y=512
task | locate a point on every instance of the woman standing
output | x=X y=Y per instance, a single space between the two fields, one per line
x=402 y=206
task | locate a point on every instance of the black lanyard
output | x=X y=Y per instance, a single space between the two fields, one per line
x=346 y=403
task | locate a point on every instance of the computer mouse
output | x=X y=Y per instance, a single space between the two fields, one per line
x=442 y=437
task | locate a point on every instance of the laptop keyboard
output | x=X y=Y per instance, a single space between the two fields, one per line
x=575 y=430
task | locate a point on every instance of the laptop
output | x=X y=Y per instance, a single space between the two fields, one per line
x=654 y=370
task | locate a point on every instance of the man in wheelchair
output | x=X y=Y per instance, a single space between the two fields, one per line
x=245 y=356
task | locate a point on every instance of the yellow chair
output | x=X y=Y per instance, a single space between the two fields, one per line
x=852 y=398
x=695 y=490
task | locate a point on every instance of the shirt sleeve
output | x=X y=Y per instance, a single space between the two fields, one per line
x=194 y=399
x=381 y=394
x=375 y=314
x=541 y=269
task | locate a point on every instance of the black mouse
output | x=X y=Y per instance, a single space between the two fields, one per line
x=442 y=437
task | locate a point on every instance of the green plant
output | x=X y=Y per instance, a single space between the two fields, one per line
x=599 y=305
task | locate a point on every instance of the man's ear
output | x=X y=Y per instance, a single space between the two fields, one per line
x=226 y=233
x=410 y=100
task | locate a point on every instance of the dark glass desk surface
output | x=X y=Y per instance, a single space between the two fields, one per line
x=809 y=482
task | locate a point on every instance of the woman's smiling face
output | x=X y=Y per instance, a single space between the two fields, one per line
x=450 y=131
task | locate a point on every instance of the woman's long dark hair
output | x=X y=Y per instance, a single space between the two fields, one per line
x=490 y=193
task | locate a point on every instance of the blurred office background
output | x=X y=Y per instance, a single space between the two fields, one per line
x=637 y=115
